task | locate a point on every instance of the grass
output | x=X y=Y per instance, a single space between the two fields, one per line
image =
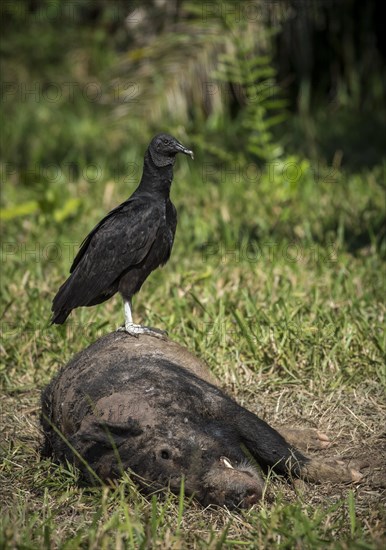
x=280 y=290
x=276 y=279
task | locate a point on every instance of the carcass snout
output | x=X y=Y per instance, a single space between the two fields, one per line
x=234 y=486
x=239 y=497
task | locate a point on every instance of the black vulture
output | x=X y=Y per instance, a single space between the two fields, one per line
x=130 y=242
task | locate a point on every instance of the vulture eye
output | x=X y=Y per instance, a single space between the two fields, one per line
x=165 y=141
x=165 y=454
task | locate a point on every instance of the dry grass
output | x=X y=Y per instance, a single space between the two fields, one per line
x=35 y=493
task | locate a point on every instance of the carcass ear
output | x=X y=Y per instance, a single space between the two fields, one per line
x=108 y=434
x=96 y=447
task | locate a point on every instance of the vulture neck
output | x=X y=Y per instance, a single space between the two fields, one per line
x=156 y=179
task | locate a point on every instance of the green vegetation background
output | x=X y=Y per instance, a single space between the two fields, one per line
x=277 y=273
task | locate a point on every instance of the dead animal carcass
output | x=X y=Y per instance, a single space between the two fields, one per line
x=148 y=406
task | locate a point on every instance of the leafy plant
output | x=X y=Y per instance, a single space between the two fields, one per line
x=253 y=76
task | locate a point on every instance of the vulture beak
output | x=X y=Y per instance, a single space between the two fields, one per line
x=181 y=149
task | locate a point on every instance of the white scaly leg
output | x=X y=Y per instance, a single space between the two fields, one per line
x=136 y=330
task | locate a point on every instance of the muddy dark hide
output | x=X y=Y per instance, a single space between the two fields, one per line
x=145 y=405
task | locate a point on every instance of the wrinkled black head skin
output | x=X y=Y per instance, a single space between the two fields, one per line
x=163 y=149
x=128 y=404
